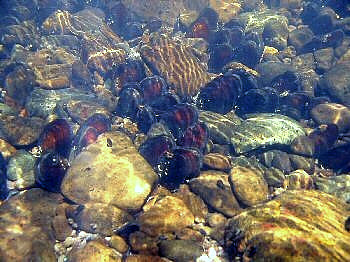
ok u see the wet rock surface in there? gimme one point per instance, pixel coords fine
(116, 174)
(274, 224)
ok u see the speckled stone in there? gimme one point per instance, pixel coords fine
(248, 185)
(117, 175)
(26, 228)
(335, 185)
(101, 218)
(296, 226)
(213, 187)
(21, 168)
(94, 251)
(169, 214)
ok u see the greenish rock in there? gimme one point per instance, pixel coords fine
(274, 177)
(220, 127)
(274, 26)
(298, 225)
(180, 250)
(335, 185)
(42, 103)
(21, 169)
(261, 130)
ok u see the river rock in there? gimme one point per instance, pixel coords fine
(141, 243)
(101, 218)
(260, 130)
(324, 59)
(270, 70)
(94, 251)
(180, 250)
(110, 171)
(169, 214)
(295, 226)
(217, 161)
(332, 113)
(26, 232)
(6, 149)
(220, 127)
(298, 179)
(336, 82)
(20, 169)
(20, 131)
(214, 188)
(248, 185)
(274, 177)
(335, 185)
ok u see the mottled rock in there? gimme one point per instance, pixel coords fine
(42, 103)
(169, 214)
(272, 26)
(214, 188)
(335, 185)
(261, 130)
(217, 161)
(298, 179)
(180, 250)
(101, 218)
(94, 251)
(176, 62)
(332, 113)
(25, 226)
(297, 225)
(21, 168)
(20, 131)
(113, 173)
(248, 185)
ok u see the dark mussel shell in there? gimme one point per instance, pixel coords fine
(287, 82)
(204, 25)
(86, 136)
(236, 35)
(337, 158)
(249, 81)
(132, 30)
(324, 138)
(131, 71)
(250, 50)
(165, 102)
(182, 164)
(220, 55)
(98, 121)
(220, 37)
(129, 101)
(220, 94)
(3, 181)
(179, 118)
(152, 87)
(50, 171)
(57, 136)
(263, 100)
(195, 137)
(145, 118)
(155, 147)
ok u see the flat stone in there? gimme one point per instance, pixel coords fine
(25, 226)
(101, 218)
(298, 225)
(94, 251)
(261, 130)
(214, 188)
(110, 171)
(248, 185)
(169, 214)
